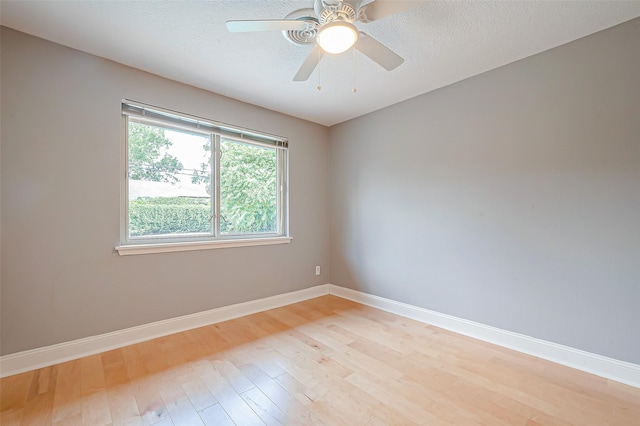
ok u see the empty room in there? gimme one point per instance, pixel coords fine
(323, 212)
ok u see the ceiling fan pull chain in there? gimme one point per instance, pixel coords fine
(355, 90)
(319, 57)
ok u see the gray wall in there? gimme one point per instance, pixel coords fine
(511, 198)
(61, 138)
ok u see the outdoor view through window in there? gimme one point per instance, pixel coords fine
(179, 188)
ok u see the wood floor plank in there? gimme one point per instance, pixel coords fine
(15, 390)
(264, 407)
(11, 416)
(38, 409)
(231, 402)
(122, 402)
(123, 406)
(198, 393)
(232, 375)
(67, 402)
(297, 412)
(179, 407)
(389, 393)
(95, 402)
(75, 420)
(324, 361)
(144, 387)
(216, 416)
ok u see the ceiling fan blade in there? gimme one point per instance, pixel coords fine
(378, 52)
(379, 9)
(266, 25)
(309, 64)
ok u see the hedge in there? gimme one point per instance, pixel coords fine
(179, 215)
(163, 215)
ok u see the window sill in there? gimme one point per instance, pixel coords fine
(133, 249)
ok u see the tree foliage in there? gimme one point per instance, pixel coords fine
(248, 187)
(146, 158)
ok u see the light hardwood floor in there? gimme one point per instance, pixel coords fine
(323, 361)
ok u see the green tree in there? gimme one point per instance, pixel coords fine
(204, 174)
(146, 158)
(248, 187)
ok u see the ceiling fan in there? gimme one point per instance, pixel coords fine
(330, 26)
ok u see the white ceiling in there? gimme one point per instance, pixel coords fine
(441, 41)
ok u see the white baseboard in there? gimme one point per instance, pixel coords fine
(49, 355)
(609, 368)
(620, 371)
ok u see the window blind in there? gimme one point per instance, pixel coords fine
(157, 115)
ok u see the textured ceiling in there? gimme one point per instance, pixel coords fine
(441, 41)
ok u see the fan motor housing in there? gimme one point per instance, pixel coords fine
(342, 11)
(323, 12)
(306, 36)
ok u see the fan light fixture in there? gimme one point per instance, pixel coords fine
(337, 36)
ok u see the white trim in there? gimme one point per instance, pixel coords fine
(130, 249)
(49, 355)
(620, 371)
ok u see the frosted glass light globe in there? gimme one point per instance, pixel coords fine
(337, 37)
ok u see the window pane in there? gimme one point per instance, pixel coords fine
(169, 182)
(248, 188)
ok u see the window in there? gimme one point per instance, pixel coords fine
(192, 183)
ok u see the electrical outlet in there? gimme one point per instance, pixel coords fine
(317, 270)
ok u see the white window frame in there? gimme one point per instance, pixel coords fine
(152, 115)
